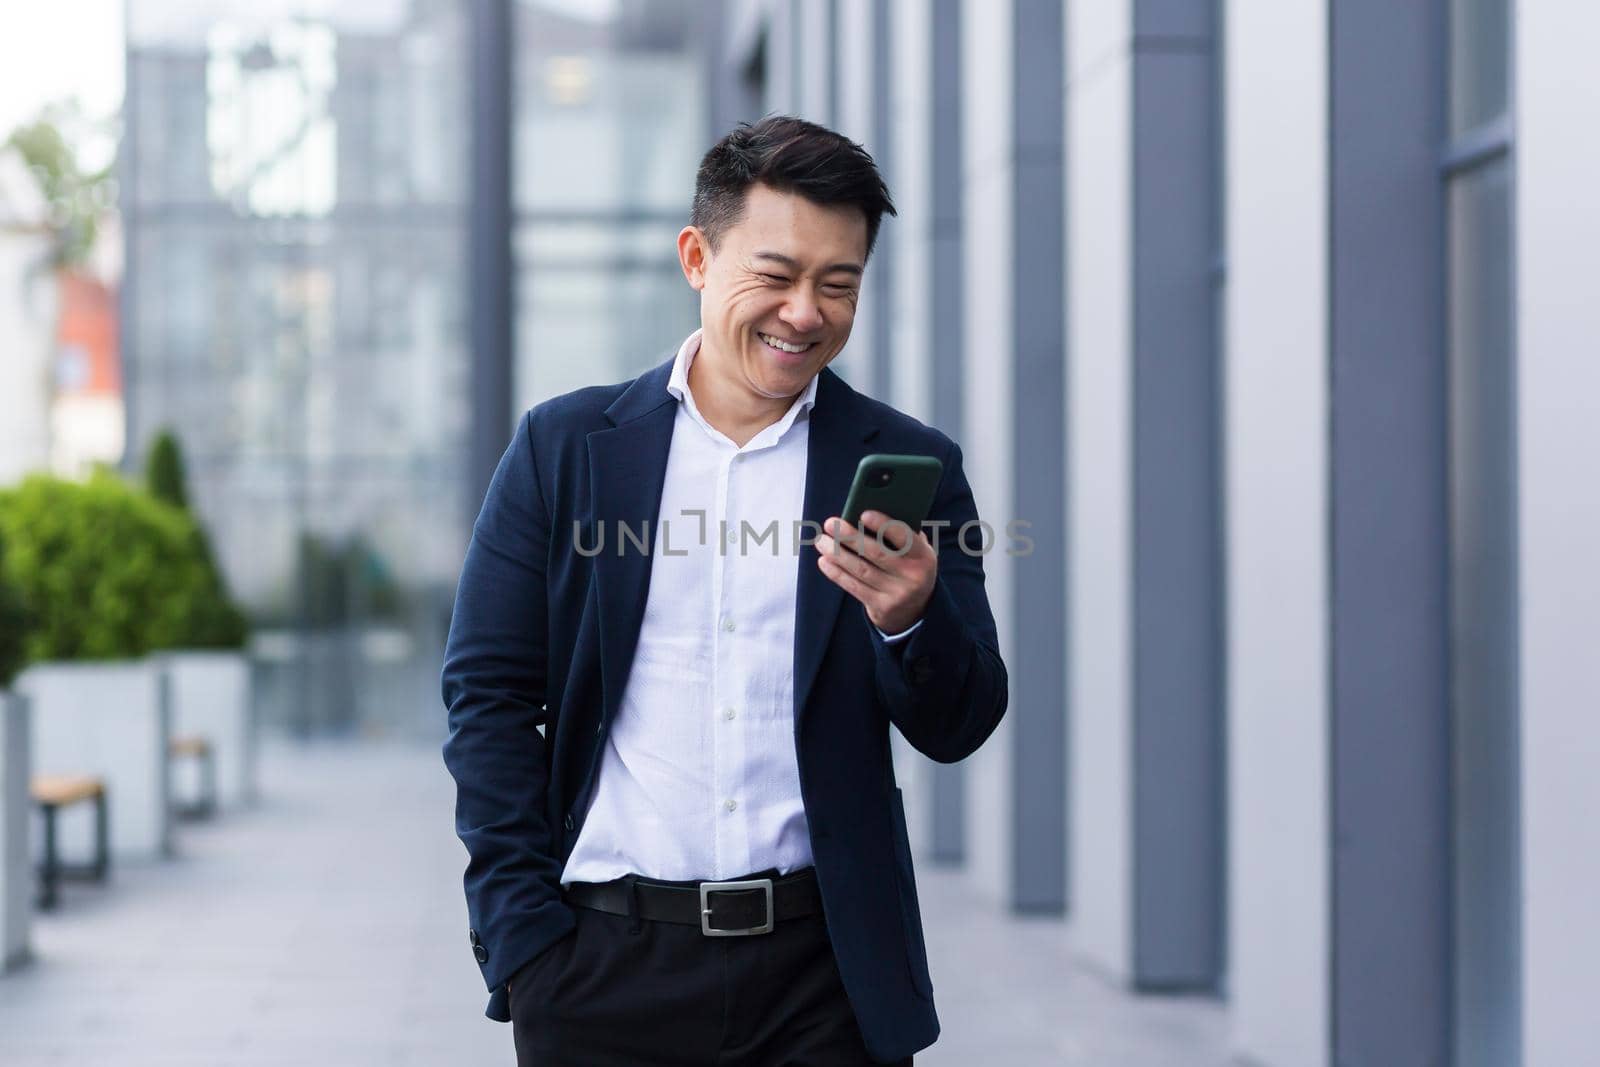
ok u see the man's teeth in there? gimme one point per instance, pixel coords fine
(782, 346)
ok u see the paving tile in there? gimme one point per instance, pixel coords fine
(326, 927)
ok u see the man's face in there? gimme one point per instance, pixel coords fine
(788, 273)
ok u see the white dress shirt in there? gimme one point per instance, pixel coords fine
(698, 778)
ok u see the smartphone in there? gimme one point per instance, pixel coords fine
(900, 487)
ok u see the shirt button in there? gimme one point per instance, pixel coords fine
(727, 624)
(733, 537)
(730, 804)
(728, 713)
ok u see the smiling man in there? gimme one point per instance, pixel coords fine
(669, 726)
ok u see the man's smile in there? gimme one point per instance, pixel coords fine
(790, 347)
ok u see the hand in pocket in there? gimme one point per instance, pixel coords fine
(530, 971)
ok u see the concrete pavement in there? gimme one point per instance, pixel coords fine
(327, 928)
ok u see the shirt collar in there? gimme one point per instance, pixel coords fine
(678, 386)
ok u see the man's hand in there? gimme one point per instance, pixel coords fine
(882, 565)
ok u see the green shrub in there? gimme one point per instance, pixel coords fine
(13, 626)
(108, 572)
(164, 473)
(216, 621)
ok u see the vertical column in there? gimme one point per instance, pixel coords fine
(923, 334)
(987, 386)
(928, 341)
(1012, 127)
(491, 221)
(1176, 743)
(883, 286)
(941, 385)
(813, 44)
(1038, 471)
(782, 96)
(858, 72)
(729, 32)
(1389, 537)
(1100, 185)
(911, 130)
(1275, 386)
(947, 156)
(1144, 533)
(1557, 322)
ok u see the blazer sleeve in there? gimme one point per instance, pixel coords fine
(493, 685)
(945, 685)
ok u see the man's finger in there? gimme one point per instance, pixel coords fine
(864, 540)
(843, 555)
(845, 579)
(894, 535)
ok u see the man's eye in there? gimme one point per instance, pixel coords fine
(776, 278)
(838, 290)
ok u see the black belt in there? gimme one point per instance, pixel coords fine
(720, 909)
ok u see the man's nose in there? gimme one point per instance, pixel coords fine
(802, 313)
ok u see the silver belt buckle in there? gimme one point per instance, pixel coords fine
(707, 888)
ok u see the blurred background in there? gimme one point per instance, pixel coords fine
(1278, 322)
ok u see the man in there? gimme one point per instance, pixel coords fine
(643, 584)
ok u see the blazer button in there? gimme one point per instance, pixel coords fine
(568, 822)
(480, 953)
(472, 937)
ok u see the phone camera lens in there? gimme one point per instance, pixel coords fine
(881, 478)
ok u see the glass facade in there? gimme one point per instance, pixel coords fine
(1483, 549)
(609, 125)
(296, 199)
(295, 208)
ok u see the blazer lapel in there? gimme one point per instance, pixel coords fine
(838, 440)
(627, 466)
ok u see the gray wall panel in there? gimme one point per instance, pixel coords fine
(1188, 20)
(1390, 755)
(882, 384)
(948, 285)
(1039, 327)
(1177, 645)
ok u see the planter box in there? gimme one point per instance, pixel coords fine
(113, 720)
(16, 858)
(211, 696)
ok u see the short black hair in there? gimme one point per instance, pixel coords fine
(790, 155)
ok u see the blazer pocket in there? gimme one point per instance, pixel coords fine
(910, 912)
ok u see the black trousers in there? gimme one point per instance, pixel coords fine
(627, 992)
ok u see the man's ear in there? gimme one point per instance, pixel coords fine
(694, 255)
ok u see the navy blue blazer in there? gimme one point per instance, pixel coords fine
(545, 635)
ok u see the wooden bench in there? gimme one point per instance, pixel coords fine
(51, 793)
(197, 748)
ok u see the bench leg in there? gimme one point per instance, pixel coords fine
(102, 837)
(50, 870)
